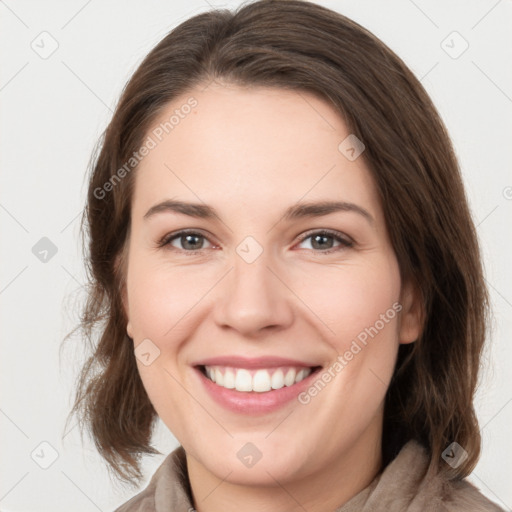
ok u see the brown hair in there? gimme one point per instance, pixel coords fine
(297, 45)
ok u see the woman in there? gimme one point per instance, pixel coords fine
(285, 271)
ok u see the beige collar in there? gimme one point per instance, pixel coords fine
(403, 485)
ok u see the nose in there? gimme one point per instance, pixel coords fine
(254, 298)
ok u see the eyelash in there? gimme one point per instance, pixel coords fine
(345, 242)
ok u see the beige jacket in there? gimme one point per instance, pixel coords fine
(402, 486)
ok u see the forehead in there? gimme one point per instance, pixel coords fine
(252, 147)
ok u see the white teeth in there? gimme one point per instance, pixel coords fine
(260, 381)
(229, 379)
(243, 381)
(278, 379)
(289, 378)
(300, 375)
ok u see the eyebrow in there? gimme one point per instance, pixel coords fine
(301, 210)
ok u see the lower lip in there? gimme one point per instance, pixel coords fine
(253, 402)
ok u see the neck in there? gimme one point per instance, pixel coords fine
(326, 489)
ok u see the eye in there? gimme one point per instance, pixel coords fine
(325, 239)
(192, 242)
(185, 241)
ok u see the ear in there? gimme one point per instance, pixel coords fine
(129, 330)
(124, 295)
(412, 314)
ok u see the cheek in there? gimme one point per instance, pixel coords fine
(353, 299)
(161, 301)
(361, 307)
(346, 298)
(161, 296)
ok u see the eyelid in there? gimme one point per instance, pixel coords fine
(168, 237)
(344, 239)
(329, 232)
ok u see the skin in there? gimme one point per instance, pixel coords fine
(251, 153)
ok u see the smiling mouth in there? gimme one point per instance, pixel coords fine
(260, 380)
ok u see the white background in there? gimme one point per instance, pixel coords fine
(53, 110)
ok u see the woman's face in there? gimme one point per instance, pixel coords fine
(295, 310)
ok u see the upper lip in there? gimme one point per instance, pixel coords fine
(252, 362)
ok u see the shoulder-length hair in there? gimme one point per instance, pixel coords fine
(300, 46)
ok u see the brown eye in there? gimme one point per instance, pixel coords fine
(324, 241)
(186, 241)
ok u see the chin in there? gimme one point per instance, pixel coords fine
(254, 460)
